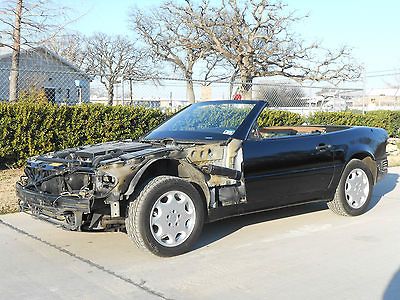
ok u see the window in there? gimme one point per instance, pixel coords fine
(50, 94)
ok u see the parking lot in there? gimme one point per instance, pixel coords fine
(304, 252)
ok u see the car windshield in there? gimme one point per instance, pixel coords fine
(203, 121)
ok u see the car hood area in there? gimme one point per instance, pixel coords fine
(99, 154)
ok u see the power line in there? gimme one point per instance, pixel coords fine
(383, 71)
(383, 75)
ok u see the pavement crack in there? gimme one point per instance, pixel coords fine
(140, 285)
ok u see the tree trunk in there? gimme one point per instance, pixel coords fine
(246, 87)
(231, 83)
(131, 91)
(110, 94)
(14, 71)
(190, 91)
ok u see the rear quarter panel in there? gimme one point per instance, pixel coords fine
(356, 142)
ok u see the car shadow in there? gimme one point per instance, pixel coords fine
(392, 291)
(218, 230)
(384, 186)
(215, 231)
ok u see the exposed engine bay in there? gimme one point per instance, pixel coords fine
(90, 187)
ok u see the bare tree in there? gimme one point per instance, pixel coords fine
(215, 68)
(255, 37)
(281, 95)
(111, 57)
(27, 23)
(71, 46)
(170, 39)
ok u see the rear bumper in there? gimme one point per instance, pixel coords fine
(54, 206)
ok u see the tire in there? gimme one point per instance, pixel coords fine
(354, 191)
(167, 217)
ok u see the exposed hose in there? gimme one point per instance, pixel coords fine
(222, 171)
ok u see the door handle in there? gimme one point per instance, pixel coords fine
(323, 147)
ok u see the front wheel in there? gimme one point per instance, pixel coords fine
(167, 217)
(354, 191)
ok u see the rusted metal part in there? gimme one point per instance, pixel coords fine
(204, 154)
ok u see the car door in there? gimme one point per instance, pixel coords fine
(285, 170)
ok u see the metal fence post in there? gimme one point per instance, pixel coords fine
(364, 94)
(123, 91)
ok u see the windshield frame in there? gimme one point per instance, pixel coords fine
(241, 132)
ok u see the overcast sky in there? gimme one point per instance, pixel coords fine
(371, 28)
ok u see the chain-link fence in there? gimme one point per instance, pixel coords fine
(60, 81)
(165, 92)
(41, 71)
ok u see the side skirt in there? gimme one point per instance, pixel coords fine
(222, 213)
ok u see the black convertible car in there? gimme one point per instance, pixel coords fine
(210, 161)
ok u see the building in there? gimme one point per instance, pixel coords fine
(42, 69)
(162, 104)
(375, 99)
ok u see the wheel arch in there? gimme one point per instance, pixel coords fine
(173, 167)
(368, 159)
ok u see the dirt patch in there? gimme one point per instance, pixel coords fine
(394, 161)
(393, 151)
(8, 200)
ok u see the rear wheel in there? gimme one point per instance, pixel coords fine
(354, 191)
(167, 217)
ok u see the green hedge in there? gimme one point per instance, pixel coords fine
(279, 118)
(28, 129)
(389, 120)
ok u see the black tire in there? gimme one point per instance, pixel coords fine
(138, 219)
(339, 203)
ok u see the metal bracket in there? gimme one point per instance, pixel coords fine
(115, 212)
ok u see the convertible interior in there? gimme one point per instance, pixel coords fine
(280, 131)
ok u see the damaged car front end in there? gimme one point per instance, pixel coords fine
(90, 187)
(79, 188)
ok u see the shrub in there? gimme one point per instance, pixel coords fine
(279, 118)
(389, 120)
(32, 95)
(28, 129)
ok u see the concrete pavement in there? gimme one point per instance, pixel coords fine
(305, 252)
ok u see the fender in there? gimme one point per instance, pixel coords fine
(138, 175)
(360, 153)
(187, 172)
